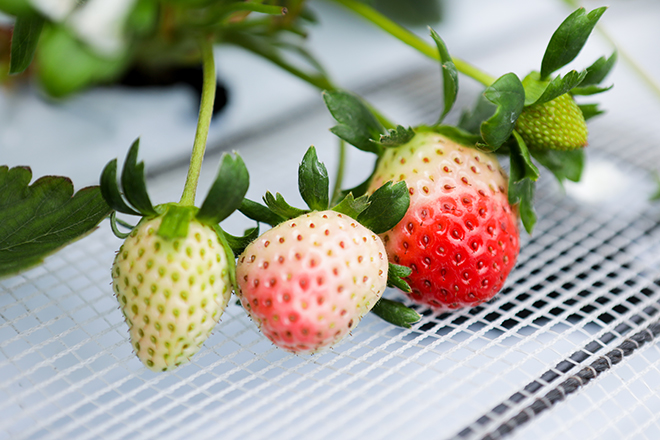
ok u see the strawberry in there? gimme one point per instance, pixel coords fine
(172, 292)
(557, 124)
(459, 235)
(308, 281)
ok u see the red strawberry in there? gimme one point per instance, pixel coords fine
(459, 236)
(308, 281)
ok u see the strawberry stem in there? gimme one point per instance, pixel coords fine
(413, 40)
(339, 176)
(203, 122)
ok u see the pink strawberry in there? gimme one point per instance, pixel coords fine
(308, 281)
(459, 235)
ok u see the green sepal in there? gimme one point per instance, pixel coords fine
(39, 219)
(597, 72)
(396, 136)
(508, 94)
(565, 165)
(539, 91)
(568, 40)
(590, 90)
(110, 189)
(279, 206)
(231, 258)
(313, 181)
(395, 313)
(227, 192)
(471, 120)
(238, 244)
(175, 221)
(590, 110)
(357, 124)
(260, 213)
(360, 189)
(655, 196)
(16, 7)
(456, 134)
(27, 30)
(387, 206)
(522, 185)
(395, 277)
(133, 182)
(115, 227)
(449, 76)
(351, 206)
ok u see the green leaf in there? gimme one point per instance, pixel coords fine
(133, 183)
(260, 213)
(568, 40)
(590, 110)
(16, 7)
(508, 94)
(110, 189)
(361, 189)
(357, 125)
(39, 219)
(458, 135)
(550, 90)
(313, 181)
(351, 206)
(387, 206)
(279, 206)
(471, 120)
(115, 228)
(227, 192)
(27, 31)
(563, 164)
(175, 221)
(397, 136)
(231, 258)
(238, 244)
(597, 72)
(590, 90)
(395, 313)
(522, 182)
(656, 194)
(449, 75)
(395, 276)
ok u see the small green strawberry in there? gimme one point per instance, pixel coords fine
(172, 292)
(174, 274)
(556, 125)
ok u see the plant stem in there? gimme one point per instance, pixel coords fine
(339, 176)
(203, 123)
(413, 40)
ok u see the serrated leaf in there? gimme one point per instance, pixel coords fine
(508, 94)
(599, 70)
(238, 244)
(351, 206)
(395, 276)
(395, 313)
(397, 136)
(522, 182)
(39, 219)
(27, 30)
(110, 189)
(550, 90)
(133, 182)
(226, 194)
(590, 90)
(175, 221)
(590, 110)
(387, 206)
(260, 213)
(357, 125)
(279, 206)
(449, 76)
(568, 40)
(313, 181)
(565, 165)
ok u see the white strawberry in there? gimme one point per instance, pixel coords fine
(172, 292)
(308, 281)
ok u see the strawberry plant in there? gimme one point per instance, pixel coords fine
(438, 217)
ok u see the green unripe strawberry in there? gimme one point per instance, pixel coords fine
(557, 125)
(172, 291)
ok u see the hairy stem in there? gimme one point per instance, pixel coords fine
(413, 40)
(203, 123)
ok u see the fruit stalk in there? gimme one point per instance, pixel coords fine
(203, 123)
(413, 40)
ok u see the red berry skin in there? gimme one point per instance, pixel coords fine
(309, 281)
(460, 236)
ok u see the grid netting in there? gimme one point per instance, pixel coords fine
(568, 349)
